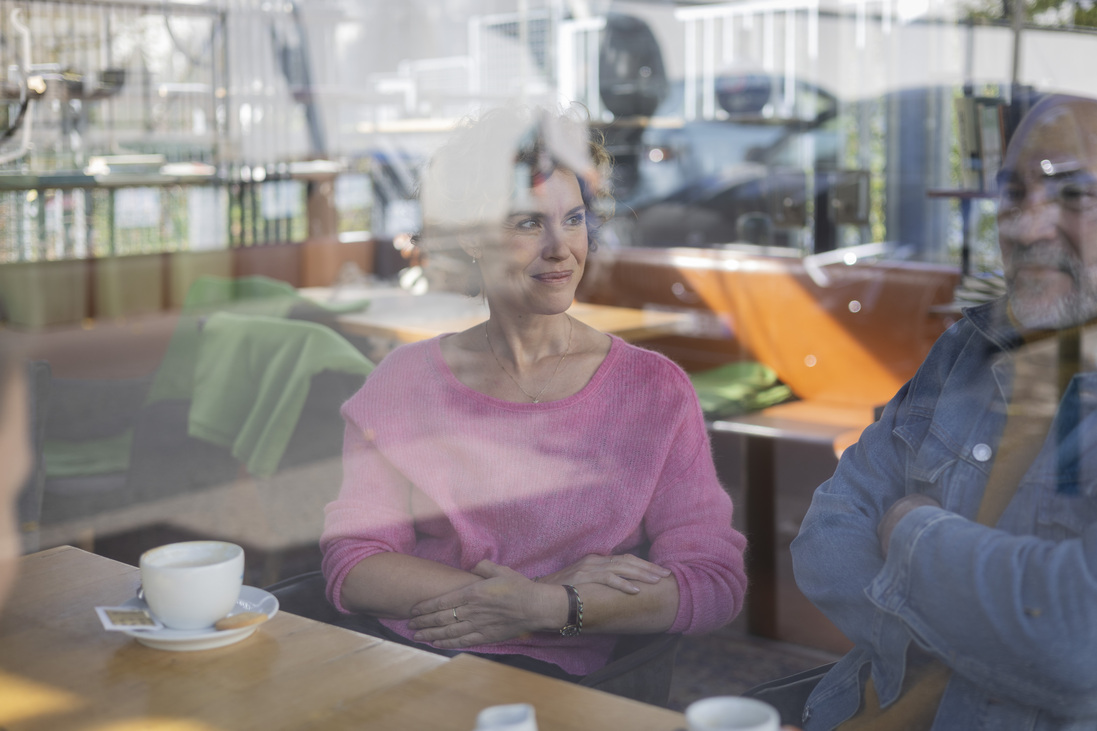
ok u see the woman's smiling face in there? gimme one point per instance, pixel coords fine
(538, 259)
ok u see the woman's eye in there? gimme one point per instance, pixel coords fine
(576, 220)
(527, 224)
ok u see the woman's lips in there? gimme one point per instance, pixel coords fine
(553, 277)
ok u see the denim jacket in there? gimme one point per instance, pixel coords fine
(1012, 609)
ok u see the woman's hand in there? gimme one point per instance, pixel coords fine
(617, 572)
(503, 606)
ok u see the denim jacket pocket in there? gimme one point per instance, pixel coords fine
(1064, 514)
(1066, 491)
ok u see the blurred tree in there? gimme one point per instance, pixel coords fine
(1057, 13)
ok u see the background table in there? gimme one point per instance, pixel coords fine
(398, 315)
(804, 438)
(59, 669)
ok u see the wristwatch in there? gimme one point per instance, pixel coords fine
(575, 613)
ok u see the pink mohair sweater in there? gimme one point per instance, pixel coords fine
(437, 470)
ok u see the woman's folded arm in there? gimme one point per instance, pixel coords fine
(388, 585)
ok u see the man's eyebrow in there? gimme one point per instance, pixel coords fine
(1079, 173)
(1049, 172)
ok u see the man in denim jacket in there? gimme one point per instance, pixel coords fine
(956, 543)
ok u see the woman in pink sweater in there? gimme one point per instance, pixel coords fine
(528, 487)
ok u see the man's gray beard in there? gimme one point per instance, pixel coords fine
(1078, 307)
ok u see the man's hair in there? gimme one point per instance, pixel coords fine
(1039, 111)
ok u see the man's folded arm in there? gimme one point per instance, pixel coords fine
(1013, 614)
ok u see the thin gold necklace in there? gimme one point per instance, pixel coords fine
(537, 398)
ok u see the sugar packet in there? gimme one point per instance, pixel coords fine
(127, 619)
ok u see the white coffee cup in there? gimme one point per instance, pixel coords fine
(511, 717)
(191, 585)
(732, 713)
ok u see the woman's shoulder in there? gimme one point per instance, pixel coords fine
(647, 361)
(404, 361)
(411, 354)
(404, 369)
(638, 367)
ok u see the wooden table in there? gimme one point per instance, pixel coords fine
(59, 669)
(395, 314)
(450, 696)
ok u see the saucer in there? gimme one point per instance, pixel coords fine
(186, 640)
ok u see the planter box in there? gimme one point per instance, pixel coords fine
(185, 267)
(129, 285)
(43, 293)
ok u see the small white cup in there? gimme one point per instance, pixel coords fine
(191, 585)
(512, 717)
(732, 713)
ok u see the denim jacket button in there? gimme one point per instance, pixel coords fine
(981, 452)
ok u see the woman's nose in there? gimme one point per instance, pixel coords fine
(554, 244)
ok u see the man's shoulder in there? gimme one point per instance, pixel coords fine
(986, 326)
(960, 358)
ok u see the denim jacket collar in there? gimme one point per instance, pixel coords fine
(992, 320)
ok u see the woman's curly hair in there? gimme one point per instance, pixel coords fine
(473, 181)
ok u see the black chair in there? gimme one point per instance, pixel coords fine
(85, 410)
(640, 668)
(789, 695)
(304, 595)
(164, 460)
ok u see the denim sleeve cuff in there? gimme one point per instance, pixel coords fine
(890, 588)
(889, 592)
